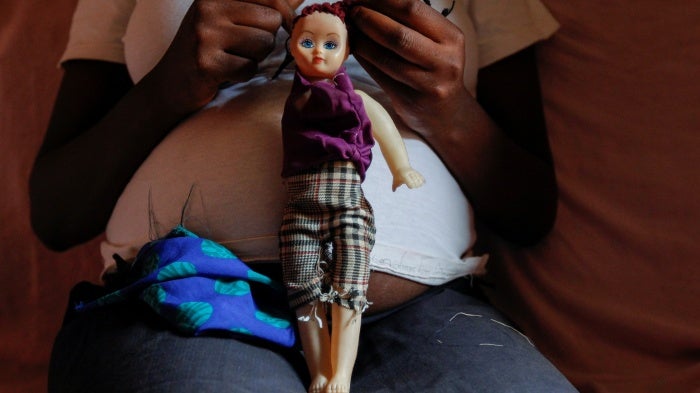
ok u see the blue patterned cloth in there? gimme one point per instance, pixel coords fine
(200, 287)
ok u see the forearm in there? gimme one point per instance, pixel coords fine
(103, 128)
(85, 163)
(503, 164)
(512, 190)
(386, 134)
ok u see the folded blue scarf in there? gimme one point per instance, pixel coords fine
(200, 287)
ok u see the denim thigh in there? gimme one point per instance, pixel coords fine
(445, 342)
(125, 348)
(451, 342)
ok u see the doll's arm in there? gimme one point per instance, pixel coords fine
(391, 144)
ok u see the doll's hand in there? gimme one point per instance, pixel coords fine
(416, 55)
(220, 41)
(408, 176)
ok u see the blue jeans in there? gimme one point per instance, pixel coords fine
(445, 341)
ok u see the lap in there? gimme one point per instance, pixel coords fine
(123, 348)
(447, 341)
(451, 342)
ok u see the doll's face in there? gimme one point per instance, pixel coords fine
(319, 44)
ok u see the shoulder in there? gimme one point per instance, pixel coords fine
(97, 30)
(371, 105)
(504, 27)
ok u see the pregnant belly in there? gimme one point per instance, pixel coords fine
(230, 157)
(219, 174)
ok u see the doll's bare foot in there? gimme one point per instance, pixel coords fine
(338, 384)
(318, 385)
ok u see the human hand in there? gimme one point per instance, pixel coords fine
(408, 176)
(416, 55)
(220, 41)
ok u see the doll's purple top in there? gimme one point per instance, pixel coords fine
(332, 125)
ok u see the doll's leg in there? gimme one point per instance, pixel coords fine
(316, 343)
(350, 274)
(344, 342)
(301, 247)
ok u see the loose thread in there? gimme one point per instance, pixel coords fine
(466, 315)
(314, 312)
(513, 329)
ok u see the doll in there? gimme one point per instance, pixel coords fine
(327, 231)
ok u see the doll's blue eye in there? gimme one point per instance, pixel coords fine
(307, 43)
(330, 45)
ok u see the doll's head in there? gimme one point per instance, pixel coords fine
(319, 40)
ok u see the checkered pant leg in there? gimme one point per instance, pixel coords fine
(327, 210)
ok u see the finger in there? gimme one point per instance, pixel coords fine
(384, 64)
(396, 87)
(418, 180)
(285, 9)
(260, 14)
(249, 42)
(234, 68)
(232, 53)
(414, 14)
(293, 4)
(414, 180)
(393, 36)
(245, 29)
(239, 28)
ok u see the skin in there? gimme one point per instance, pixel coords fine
(319, 45)
(418, 59)
(103, 127)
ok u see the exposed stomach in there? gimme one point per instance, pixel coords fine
(219, 174)
(230, 156)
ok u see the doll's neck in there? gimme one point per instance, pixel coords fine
(315, 80)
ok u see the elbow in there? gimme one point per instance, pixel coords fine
(50, 238)
(40, 216)
(530, 234)
(527, 234)
(55, 236)
(531, 220)
(56, 229)
(46, 225)
(522, 218)
(49, 217)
